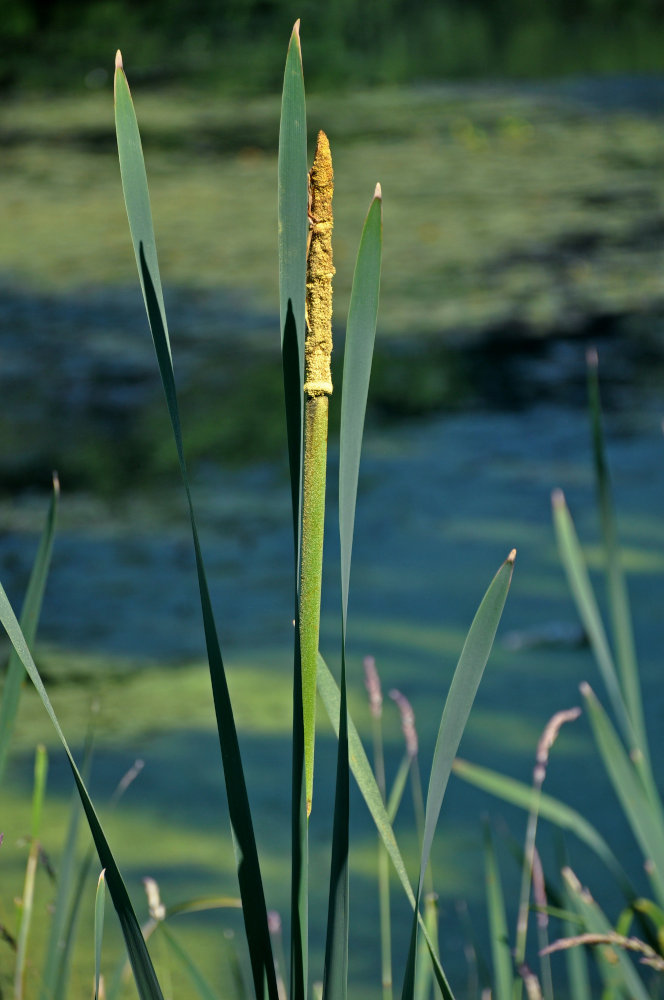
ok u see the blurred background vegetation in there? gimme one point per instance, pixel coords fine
(58, 43)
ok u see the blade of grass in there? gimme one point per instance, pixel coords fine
(458, 703)
(134, 183)
(374, 691)
(197, 979)
(293, 229)
(576, 962)
(523, 796)
(618, 974)
(544, 745)
(501, 953)
(621, 616)
(423, 968)
(360, 336)
(644, 820)
(146, 980)
(15, 675)
(58, 952)
(100, 902)
(366, 782)
(27, 899)
(579, 582)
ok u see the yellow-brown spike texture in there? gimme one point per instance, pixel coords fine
(318, 340)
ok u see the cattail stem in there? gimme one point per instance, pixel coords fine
(317, 389)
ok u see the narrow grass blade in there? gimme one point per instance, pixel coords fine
(58, 952)
(523, 796)
(335, 977)
(366, 782)
(198, 981)
(643, 818)
(579, 582)
(423, 969)
(27, 899)
(398, 787)
(576, 962)
(293, 230)
(461, 695)
(360, 335)
(618, 972)
(501, 953)
(293, 226)
(100, 903)
(146, 980)
(137, 200)
(458, 703)
(15, 675)
(618, 597)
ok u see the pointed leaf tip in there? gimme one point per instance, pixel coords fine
(56, 482)
(378, 193)
(118, 60)
(512, 556)
(558, 498)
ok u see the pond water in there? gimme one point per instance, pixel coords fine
(462, 451)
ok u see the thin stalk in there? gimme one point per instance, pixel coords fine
(41, 767)
(317, 389)
(546, 741)
(372, 682)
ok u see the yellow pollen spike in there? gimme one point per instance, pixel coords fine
(318, 340)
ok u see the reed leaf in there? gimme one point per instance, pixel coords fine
(458, 703)
(293, 229)
(27, 898)
(579, 582)
(100, 902)
(621, 617)
(15, 675)
(524, 796)
(54, 985)
(200, 984)
(619, 975)
(366, 782)
(134, 183)
(143, 970)
(501, 953)
(643, 818)
(360, 335)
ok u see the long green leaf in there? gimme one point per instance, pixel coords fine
(100, 902)
(618, 597)
(643, 818)
(293, 229)
(200, 984)
(366, 782)
(27, 898)
(523, 796)
(360, 336)
(498, 932)
(54, 985)
(146, 980)
(458, 703)
(579, 581)
(11, 691)
(134, 183)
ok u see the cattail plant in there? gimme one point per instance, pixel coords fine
(305, 273)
